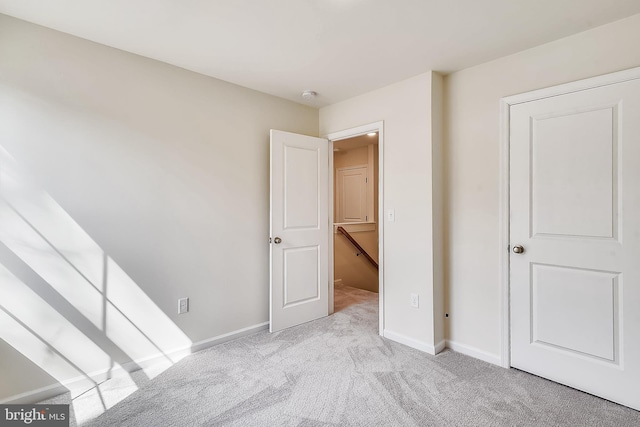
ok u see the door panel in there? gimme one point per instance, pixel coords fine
(301, 281)
(573, 173)
(591, 297)
(301, 184)
(575, 208)
(299, 229)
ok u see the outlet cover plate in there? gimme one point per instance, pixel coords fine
(415, 300)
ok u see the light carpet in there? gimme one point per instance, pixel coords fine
(338, 371)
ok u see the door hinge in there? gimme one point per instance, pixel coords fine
(366, 217)
(366, 180)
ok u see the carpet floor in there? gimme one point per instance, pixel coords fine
(337, 371)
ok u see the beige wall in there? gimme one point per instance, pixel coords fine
(472, 164)
(19, 375)
(352, 270)
(165, 169)
(407, 180)
(350, 157)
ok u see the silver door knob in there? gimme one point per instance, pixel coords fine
(277, 240)
(518, 249)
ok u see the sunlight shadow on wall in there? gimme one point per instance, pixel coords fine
(55, 347)
(65, 304)
(30, 325)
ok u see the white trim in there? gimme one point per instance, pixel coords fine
(441, 346)
(505, 105)
(337, 282)
(271, 224)
(381, 321)
(413, 343)
(350, 133)
(476, 353)
(504, 238)
(331, 275)
(146, 362)
(37, 395)
(356, 131)
(234, 335)
(577, 86)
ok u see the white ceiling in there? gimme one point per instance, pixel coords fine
(339, 48)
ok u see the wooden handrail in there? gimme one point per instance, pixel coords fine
(358, 247)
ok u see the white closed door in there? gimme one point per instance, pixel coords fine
(299, 229)
(575, 213)
(351, 194)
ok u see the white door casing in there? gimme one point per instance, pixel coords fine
(299, 229)
(350, 133)
(575, 208)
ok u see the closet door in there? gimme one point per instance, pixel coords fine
(575, 239)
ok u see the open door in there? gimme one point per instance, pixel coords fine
(299, 230)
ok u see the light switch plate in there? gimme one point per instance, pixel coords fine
(391, 215)
(183, 305)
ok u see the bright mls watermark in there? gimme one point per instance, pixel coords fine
(34, 415)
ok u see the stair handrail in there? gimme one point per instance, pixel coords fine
(357, 245)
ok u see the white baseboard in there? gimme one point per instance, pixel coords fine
(53, 390)
(414, 343)
(179, 353)
(210, 342)
(36, 395)
(474, 352)
(337, 282)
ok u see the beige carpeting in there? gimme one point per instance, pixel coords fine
(338, 371)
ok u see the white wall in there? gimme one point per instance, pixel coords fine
(166, 170)
(405, 108)
(472, 164)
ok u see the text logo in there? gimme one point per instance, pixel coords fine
(34, 415)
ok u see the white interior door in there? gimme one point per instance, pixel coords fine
(575, 210)
(299, 229)
(351, 194)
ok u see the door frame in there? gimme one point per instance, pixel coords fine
(504, 219)
(345, 134)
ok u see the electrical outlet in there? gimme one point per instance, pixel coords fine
(415, 300)
(183, 305)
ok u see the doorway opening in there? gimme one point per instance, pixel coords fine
(356, 227)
